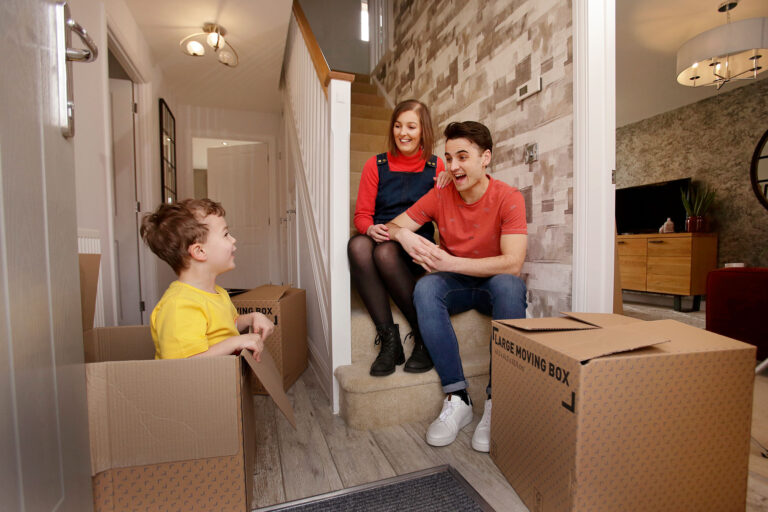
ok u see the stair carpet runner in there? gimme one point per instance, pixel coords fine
(368, 402)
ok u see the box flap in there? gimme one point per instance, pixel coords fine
(265, 292)
(602, 319)
(546, 324)
(126, 343)
(589, 344)
(148, 412)
(270, 378)
(89, 282)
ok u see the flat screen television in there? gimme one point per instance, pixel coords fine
(645, 208)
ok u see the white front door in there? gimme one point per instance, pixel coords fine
(238, 177)
(43, 413)
(126, 224)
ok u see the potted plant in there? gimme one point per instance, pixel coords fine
(696, 201)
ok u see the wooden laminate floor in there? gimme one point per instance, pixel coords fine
(323, 455)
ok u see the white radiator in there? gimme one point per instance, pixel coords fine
(89, 242)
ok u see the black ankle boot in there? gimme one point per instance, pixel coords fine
(419, 362)
(391, 352)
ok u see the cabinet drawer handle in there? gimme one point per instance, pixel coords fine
(655, 241)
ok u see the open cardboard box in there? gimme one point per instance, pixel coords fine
(286, 307)
(170, 434)
(604, 412)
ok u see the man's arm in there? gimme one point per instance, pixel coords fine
(510, 261)
(402, 230)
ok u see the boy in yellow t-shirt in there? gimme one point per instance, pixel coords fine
(195, 317)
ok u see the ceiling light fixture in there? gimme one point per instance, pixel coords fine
(212, 35)
(729, 52)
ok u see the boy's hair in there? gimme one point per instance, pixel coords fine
(172, 228)
(473, 131)
(427, 133)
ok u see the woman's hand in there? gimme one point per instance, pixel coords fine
(379, 232)
(443, 179)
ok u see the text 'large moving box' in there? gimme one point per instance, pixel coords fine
(286, 308)
(600, 412)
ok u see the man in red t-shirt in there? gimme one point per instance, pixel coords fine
(483, 238)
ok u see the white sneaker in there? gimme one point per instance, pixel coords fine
(481, 439)
(454, 416)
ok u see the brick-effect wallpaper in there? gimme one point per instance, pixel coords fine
(712, 141)
(466, 60)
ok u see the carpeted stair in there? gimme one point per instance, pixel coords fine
(372, 402)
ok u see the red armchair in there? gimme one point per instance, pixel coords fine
(737, 306)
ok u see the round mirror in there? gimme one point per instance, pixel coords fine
(758, 173)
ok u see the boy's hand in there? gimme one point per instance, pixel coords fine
(253, 342)
(261, 325)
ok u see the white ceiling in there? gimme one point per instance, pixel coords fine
(257, 30)
(648, 35)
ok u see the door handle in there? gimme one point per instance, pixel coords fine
(65, 26)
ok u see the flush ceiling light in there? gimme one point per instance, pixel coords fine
(733, 51)
(212, 35)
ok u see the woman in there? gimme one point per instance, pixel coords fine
(390, 183)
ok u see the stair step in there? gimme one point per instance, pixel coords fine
(357, 161)
(374, 402)
(372, 126)
(366, 142)
(371, 112)
(364, 87)
(361, 98)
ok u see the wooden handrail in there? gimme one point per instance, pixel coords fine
(324, 73)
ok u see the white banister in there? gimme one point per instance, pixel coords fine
(317, 105)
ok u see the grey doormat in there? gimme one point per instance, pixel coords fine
(438, 489)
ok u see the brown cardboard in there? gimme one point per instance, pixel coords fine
(286, 308)
(171, 434)
(89, 281)
(583, 421)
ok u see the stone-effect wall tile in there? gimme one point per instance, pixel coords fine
(467, 59)
(712, 141)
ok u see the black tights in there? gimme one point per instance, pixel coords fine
(381, 270)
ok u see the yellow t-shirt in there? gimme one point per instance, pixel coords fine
(188, 321)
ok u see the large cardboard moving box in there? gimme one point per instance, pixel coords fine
(172, 434)
(286, 308)
(602, 412)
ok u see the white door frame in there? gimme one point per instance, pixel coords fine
(594, 154)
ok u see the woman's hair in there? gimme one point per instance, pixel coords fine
(172, 228)
(473, 131)
(427, 133)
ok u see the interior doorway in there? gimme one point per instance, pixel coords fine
(130, 307)
(236, 174)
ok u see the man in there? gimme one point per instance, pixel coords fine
(483, 238)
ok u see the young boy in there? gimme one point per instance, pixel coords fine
(195, 317)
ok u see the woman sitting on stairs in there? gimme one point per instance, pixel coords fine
(390, 183)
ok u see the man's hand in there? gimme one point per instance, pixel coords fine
(417, 247)
(379, 232)
(437, 260)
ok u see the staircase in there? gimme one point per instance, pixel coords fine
(372, 402)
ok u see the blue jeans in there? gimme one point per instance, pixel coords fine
(442, 294)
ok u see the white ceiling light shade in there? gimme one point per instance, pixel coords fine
(212, 35)
(734, 51)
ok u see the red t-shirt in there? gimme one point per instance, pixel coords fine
(473, 230)
(369, 184)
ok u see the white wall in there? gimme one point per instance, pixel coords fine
(192, 122)
(111, 24)
(336, 26)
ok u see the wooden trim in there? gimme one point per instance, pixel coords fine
(324, 73)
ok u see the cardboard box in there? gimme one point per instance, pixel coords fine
(287, 309)
(171, 434)
(602, 412)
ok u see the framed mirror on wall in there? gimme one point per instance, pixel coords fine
(167, 153)
(758, 173)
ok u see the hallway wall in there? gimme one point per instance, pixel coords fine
(466, 60)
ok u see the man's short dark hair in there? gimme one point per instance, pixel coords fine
(472, 131)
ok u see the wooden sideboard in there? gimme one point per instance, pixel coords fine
(671, 263)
